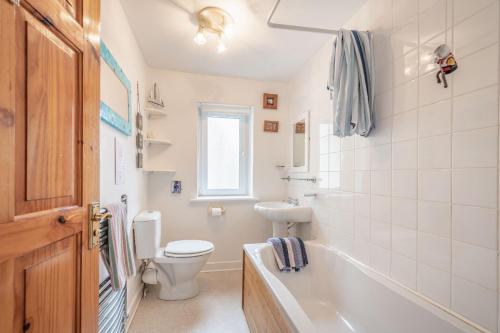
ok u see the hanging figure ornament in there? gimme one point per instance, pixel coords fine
(446, 61)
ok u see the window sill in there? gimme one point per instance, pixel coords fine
(224, 198)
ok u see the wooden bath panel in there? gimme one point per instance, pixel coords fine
(259, 305)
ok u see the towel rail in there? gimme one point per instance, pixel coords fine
(311, 179)
(112, 304)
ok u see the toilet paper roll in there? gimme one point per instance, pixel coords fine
(216, 211)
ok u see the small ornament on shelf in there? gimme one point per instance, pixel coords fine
(154, 97)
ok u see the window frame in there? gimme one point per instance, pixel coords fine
(245, 116)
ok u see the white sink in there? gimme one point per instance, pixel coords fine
(281, 214)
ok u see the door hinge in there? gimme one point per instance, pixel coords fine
(16, 2)
(95, 218)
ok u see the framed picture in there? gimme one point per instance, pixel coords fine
(270, 101)
(271, 126)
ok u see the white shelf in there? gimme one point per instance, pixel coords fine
(155, 112)
(159, 142)
(158, 171)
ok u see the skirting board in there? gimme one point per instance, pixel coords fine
(133, 306)
(216, 266)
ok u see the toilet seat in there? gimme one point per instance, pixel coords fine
(187, 248)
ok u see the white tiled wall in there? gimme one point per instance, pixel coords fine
(417, 200)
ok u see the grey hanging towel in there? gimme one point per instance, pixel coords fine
(351, 83)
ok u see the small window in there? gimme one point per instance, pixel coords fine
(224, 150)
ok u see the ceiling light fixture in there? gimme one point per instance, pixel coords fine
(216, 21)
(200, 38)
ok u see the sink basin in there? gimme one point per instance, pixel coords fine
(280, 211)
(281, 214)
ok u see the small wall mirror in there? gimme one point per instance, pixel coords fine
(300, 143)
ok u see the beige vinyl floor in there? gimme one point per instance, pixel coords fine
(217, 309)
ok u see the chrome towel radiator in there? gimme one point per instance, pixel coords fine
(112, 304)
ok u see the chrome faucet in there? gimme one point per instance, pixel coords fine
(292, 201)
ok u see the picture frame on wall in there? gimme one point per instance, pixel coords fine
(271, 126)
(270, 101)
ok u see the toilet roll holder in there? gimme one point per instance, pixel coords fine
(222, 209)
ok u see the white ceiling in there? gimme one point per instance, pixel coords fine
(165, 29)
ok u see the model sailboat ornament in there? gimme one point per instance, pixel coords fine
(154, 97)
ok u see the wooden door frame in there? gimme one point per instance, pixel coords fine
(90, 173)
(87, 313)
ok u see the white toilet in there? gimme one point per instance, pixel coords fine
(175, 266)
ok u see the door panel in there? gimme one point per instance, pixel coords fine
(52, 104)
(48, 104)
(50, 288)
(49, 162)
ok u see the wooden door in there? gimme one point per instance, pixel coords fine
(49, 162)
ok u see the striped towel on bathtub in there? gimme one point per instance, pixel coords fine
(290, 253)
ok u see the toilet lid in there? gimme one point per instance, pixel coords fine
(184, 247)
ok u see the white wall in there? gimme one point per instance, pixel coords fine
(417, 200)
(183, 219)
(116, 33)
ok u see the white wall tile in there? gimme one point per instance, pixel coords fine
(476, 110)
(381, 208)
(477, 70)
(323, 145)
(404, 126)
(406, 68)
(362, 181)
(347, 181)
(323, 163)
(383, 105)
(434, 251)
(434, 283)
(406, 97)
(404, 183)
(404, 212)
(477, 148)
(463, 9)
(404, 11)
(381, 157)
(380, 259)
(434, 152)
(362, 227)
(404, 241)
(405, 39)
(474, 302)
(435, 119)
(426, 55)
(334, 162)
(333, 144)
(362, 159)
(404, 270)
(432, 21)
(347, 160)
(474, 263)
(381, 182)
(382, 134)
(434, 218)
(362, 205)
(475, 225)
(476, 187)
(434, 185)
(476, 32)
(381, 234)
(404, 155)
(430, 92)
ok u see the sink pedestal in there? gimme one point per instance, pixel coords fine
(280, 229)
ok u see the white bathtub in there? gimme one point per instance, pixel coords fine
(336, 293)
